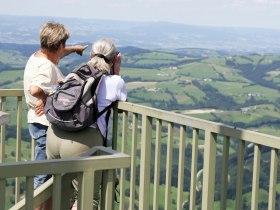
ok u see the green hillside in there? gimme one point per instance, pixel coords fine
(208, 84)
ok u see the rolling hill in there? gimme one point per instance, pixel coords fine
(148, 35)
(239, 90)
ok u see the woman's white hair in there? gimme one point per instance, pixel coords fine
(102, 55)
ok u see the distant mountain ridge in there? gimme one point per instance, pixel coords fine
(148, 35)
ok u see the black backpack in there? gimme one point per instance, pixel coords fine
(73, 105)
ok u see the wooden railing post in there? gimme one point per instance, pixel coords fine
(56, 193)
(209, 171)
(66, 182)
(181, 167)
(18, 145)
(240, 172)
(107, 190)
(4, 120)
(168, 166)
(192, 199)
(256, 177)
(133, 161)
(273, 179)
(157, 164)
(144, 189)
(123, 149)
(224, 180)
(2, 191)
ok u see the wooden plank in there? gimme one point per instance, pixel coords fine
(182, 147)
(195, 139)
(133, 161)
(209, 167)
(224, 180)
(157, 164)
(169, 166)
(146, 139)
(239, 174)
(273, 179)
(256, 177)
(123, 149)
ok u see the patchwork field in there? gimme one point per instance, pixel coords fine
(188, 79)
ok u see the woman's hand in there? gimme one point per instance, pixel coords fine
(117, 64)
(39, 107)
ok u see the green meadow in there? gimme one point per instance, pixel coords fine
(187, 79)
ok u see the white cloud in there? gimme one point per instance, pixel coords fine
(196, 12)
(268, 2)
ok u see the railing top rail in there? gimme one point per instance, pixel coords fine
(108, 160)
(11, 92)
(219, 128)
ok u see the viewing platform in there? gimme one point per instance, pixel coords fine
(163, 160)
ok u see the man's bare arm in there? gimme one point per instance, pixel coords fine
(79, 49)
(41, 96)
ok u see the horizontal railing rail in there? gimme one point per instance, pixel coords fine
(106, 160)
(220, 128)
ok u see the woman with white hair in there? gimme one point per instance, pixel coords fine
(62, 144)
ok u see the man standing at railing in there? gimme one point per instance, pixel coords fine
(40, 75)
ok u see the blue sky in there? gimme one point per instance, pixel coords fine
(239, 13)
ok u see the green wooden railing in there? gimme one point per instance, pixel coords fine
(63, 172)
(181, 162)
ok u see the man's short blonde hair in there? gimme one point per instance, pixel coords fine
(53, 34)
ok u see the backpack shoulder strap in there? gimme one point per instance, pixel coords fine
(86, 71)
(106, 108)
(107, 117)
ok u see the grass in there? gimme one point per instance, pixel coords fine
(11, 75)
(198, 71)
(252, 115)
(145, 74)
(268, 129)
(217, 60)
(135, 85)
(13, 58)
(161, 194)
(242, 91)
(10, 150)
